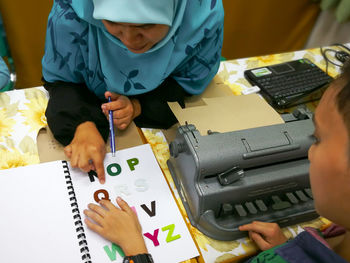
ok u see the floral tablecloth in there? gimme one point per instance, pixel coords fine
(232, 74)
(22, 115)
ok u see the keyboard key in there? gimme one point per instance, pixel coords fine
(240, 210)
(226, 209)
(251, 207)
(301, 196)
(261, 205)
(309, 192)
(292, 198)
(279, 204)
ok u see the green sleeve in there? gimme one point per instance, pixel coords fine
(269, 256)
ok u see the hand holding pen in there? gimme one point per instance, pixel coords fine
(124, 109)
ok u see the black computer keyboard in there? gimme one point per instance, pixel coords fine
(290, 83)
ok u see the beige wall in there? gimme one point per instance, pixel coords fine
(25, 26)
(260, 27)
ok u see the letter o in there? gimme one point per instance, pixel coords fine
(110, 169)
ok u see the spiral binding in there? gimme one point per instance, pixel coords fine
(84, 250)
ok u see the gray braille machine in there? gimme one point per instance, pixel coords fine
(229, 179)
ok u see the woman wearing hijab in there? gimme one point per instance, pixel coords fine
(141, 53)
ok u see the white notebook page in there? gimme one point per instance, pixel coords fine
(36, 223)
(138, 179)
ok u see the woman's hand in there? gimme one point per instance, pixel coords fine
(265, 235)
(87, 149)
(124, 109)
(119, 225)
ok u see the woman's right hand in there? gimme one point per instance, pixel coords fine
(87, 150)
(124, 109)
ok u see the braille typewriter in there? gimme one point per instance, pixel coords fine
(229, 179)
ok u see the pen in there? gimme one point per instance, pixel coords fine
(111, 129)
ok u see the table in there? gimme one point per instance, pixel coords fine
(22, 120)
(22, 116)
(231, 74)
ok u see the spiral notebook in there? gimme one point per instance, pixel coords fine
(42, 219)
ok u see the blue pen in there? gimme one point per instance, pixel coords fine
(111, 129)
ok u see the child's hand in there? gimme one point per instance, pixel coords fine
(124, 109)
(87, 150)
(120, 226)
(265, 235)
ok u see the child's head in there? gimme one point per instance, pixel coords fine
(138, 24)
(330, 155)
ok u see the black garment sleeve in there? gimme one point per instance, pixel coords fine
(71, 104)
(155, 112)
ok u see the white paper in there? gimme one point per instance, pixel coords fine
(36, 223)
(137, 184)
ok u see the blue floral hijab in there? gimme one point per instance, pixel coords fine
(80, 50)
(4, 74)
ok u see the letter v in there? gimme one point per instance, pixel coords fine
(152, 212)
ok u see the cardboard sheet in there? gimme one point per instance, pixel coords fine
(51, 150)
(227, 113)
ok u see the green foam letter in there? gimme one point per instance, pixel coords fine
(170, 236)
(132, 162)
(116, 166)
(111, 253)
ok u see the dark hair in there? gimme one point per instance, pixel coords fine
(343, 97)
